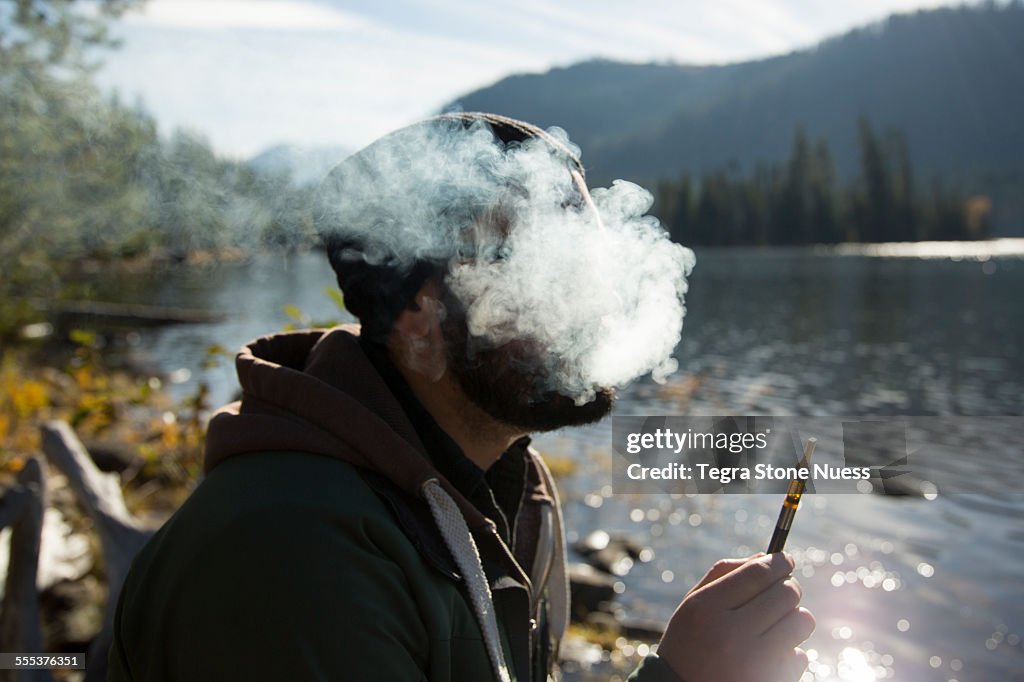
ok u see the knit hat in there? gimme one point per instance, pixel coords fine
(360, 202)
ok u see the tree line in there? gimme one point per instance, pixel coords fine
(802, 201)
(86, 175)
(81, 173)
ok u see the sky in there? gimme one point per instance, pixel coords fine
(249, 74)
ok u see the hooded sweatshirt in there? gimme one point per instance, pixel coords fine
(323, 544)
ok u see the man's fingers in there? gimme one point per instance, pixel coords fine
(796, 627)
(772, 605)
(794, 666)
(723, 567)
(739, 586)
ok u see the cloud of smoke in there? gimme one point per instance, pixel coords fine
(594, 284)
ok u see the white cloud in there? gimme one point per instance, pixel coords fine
(247, 88)
(255, 73)
(245, 14)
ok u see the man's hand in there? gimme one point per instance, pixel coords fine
(740, 623)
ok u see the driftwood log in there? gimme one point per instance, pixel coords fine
(22, 508)
(121, 534)
(69, 314)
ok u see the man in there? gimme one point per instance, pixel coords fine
(372, 509)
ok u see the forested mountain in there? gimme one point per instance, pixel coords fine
(950, 80)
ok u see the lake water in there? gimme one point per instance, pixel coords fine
(903, 588)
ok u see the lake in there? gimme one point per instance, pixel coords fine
(907, 589)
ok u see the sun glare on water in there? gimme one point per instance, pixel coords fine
(852, 666)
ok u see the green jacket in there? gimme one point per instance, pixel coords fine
(332, 549)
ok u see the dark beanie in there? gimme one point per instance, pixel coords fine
(378, 289)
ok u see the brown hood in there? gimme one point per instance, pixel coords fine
(316, 391)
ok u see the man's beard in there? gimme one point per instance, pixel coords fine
(511, 382)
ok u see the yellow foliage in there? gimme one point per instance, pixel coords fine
(169, 438)
(26, 440)
(88, 379)
(94, 411)
(30, 396)
(561, 467)
(102, 404)
(82, 377)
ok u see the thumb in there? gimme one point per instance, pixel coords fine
(723, 567)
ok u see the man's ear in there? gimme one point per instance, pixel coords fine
(422, 317)
(416, 342)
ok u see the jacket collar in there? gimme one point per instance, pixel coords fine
(316, 391)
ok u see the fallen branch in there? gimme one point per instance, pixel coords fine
(67, 314)
(121, 534)
(12, 503)
(20, 630)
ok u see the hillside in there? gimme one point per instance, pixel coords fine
(304, 165)
(950, 79)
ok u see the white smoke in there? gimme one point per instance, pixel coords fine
(597, 285)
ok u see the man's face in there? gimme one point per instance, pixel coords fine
(510, 382)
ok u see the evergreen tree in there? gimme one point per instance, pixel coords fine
(799, 202)
(823, 201)
(903, 222)
(873, 204)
